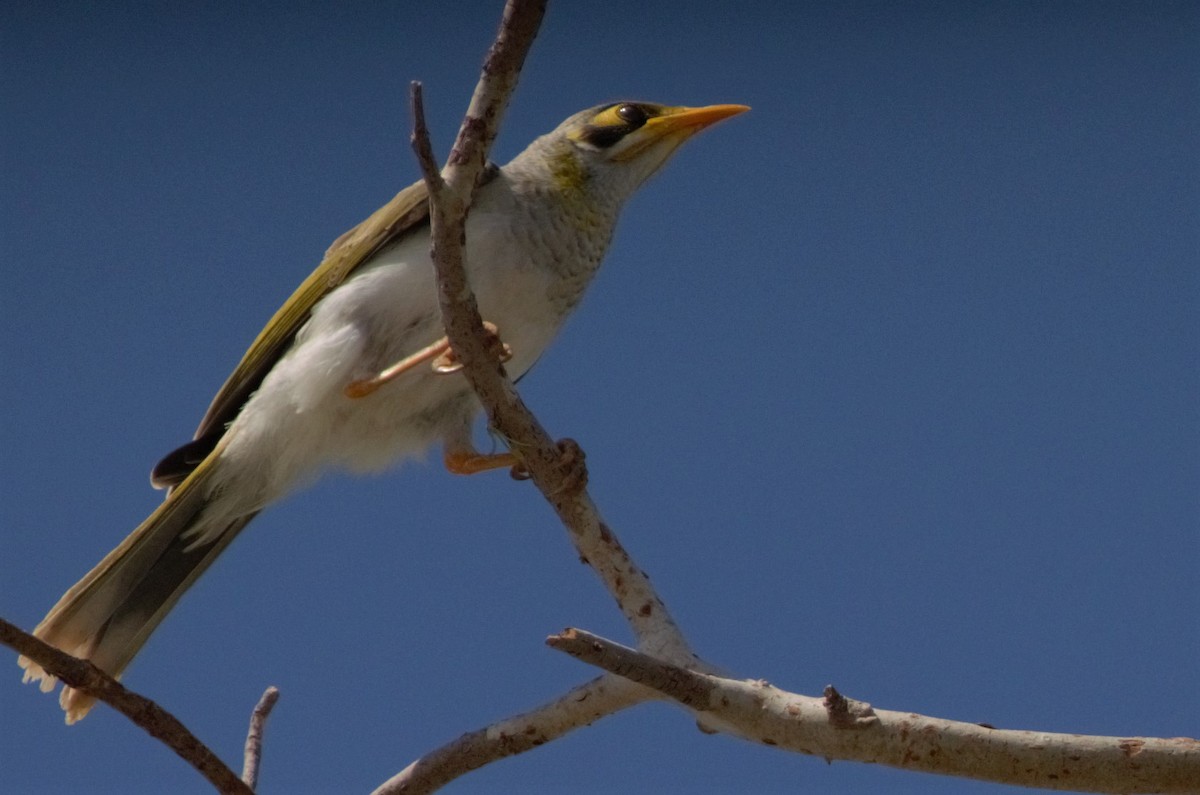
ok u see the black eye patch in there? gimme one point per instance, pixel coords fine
(628, 117)
(604, 137)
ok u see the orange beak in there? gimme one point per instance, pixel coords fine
(693, 120)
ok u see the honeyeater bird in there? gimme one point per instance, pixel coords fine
(332, 381)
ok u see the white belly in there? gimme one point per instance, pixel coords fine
(300, 420)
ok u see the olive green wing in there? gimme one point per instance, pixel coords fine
(408, 210)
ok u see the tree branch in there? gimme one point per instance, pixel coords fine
(839, 728)
(252, 756)
(575, 709)
(156, 721)
(555, 469)
(834, 727)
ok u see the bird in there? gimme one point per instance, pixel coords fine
(335, 380)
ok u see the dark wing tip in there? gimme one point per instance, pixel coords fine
(176, 465)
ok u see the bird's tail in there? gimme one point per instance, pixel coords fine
(108, 615)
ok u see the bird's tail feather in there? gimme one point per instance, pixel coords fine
(109, 614)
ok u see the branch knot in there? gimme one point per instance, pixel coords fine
(848, 713)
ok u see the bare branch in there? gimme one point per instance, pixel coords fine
(156, 721)
(680, 684)
(555, 468)
(422, 146)
(518, 26)
(835, 727)
(252, 756)
(579, 707)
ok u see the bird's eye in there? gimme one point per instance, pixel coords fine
(633, 115)
(611, 123)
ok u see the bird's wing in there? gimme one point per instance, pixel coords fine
(408, 210)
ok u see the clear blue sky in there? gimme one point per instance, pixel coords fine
(891, 383)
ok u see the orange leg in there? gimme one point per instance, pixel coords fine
(360, 389)
(469, 462)
(444, 362)
(463, 459)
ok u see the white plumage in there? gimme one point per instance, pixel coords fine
(536, 234)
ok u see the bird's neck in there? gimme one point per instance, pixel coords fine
(556, 188)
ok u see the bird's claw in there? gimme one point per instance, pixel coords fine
(571, 464)
(448, 362)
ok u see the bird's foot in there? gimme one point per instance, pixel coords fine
(360, 389)
(447, 362)
(572, 464)
(444, 361)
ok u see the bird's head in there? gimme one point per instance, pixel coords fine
(608, 151)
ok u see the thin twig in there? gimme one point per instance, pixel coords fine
(421, 143)
(252, 757)
(156, 721)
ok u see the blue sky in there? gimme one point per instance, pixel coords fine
(890, 383)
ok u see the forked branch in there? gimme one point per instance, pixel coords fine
(663, 664)
(153, 719)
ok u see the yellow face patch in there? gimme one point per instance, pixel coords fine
(645, 123)
(627, 114)
(614, 122)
